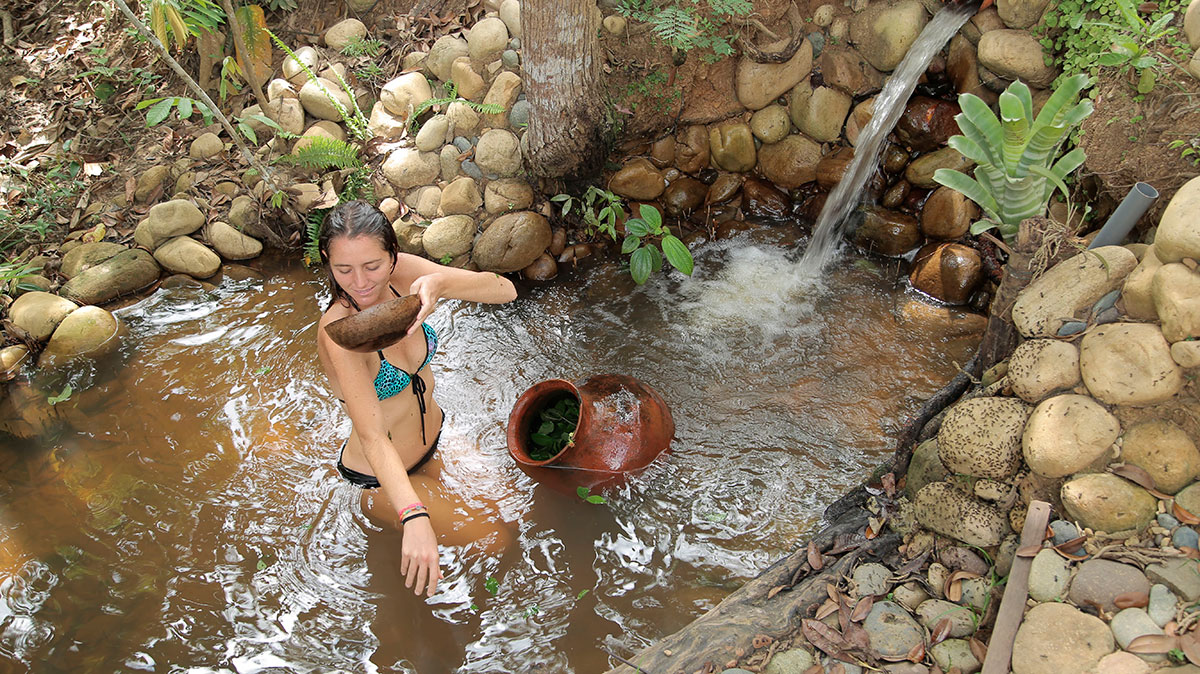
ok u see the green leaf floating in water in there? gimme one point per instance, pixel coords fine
(491, 585)
(66, 393)
(585, 494)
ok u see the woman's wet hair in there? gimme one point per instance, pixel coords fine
(349, 220)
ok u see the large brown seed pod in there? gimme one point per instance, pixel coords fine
(376, 327)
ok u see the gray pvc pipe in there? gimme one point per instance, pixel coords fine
(1126, 216)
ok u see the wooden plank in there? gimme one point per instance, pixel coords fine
(1012, 606)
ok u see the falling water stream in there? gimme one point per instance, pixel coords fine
(183, 514)
(886, 111)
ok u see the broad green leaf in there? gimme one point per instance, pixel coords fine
(560, 198)
(640, 263)
(491, 585)
(970, 149)
(656, 259)
(595, 499)
(147, 103)
(156, 114)
(678, 254)
(968, 187)
(637, 227)
(581, 594)
(63, 395)
(652, 217)
(985, 122)
(1112, 59)
(184, 105)
(583, 491)
(266, 120)
(1053, 178)
(980, 226)
(630, 244)
(248, 132)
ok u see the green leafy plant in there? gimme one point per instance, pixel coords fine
(370, 72)
(555, 429)
(1016, 172)
(491, 585)
(1189, 150)
(451, 97)
(1134, 45)
(16, 272)
(357, 122)
(180, 19)
(48, 190)
(242, 122)
(357, 185)
(599, 209)
(644, 253)
(586, 494)
(324, 153)
(362, 47)
(686, 25)
(160, 109)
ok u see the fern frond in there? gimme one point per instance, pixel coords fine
(676, 26)
(731, 7)
(356, 123)
(323, 153)
(312, 230)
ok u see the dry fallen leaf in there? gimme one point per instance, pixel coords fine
(1183, 515)
(1153, 643)
(814, 557)
(1131, 600)
(825, 610)
(862, 609)
(978, 649)
(774, 591)
(1029, 550)
(823, 637)
(941, 630)
(1134, 474)
(815, 669)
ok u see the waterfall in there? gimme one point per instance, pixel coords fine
(827, 234)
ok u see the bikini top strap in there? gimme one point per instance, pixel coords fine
(394, 291)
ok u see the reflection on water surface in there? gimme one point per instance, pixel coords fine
(185, 517)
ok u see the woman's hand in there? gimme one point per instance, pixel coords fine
(429, 289)
(419, 556)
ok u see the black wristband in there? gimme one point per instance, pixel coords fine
(411, 517)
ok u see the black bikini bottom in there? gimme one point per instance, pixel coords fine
(370, 481)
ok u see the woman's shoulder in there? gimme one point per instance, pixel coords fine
(336, 311)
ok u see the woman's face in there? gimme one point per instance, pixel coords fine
(362, 267)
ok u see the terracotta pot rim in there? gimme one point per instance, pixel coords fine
(535, 396)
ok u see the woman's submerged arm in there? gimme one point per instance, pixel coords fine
(419, 563)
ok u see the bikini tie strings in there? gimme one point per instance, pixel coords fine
(418, 388)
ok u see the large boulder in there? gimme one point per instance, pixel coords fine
(504, 92)
(320, 129)
(487, 39)
(770, 125)
(886, 232)
(402, 95)
(1015, 55)
(512, 242)
(1177, 236)
(39, 313)
(1105, 502)
(1021, 13)
(1066, 434)
(230, 243)
(947, 214)
(442, 56)
(123, 273)
(87, 331)
(884, 32)
(433, 134)
(406, 168)
(449, 237)
(1163, 450)
(920, 171)
(791, 162)
(982, 437)
(384, 124)
(1058, 638)
(178, 217)
(461, 197)
(942, 508)
(318, 96)
(1070, 289)
(1136, 293)
(344, 32)
(947, 271)
(819, 112)
(1176, 294)
(498, 153)
(691, 149)
(1039, 367)
(511, 194)
(638, 179)
(185, 255)
(731, 146)
(87, 255)
(759, 84)
(1128, 364)
(293, 71)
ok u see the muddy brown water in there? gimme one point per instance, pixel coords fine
(183, 515)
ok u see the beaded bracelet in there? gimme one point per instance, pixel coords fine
(413, 516)
(411, 508)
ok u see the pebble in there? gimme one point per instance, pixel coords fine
(469, 168)
(1179, 575)
(962, 559)
(515, 44)
(1121, 663)
(462, 143)
(818, 43)
(962, 620)
(1049, 576)
(1167, 521)
(1099, 581)
(1132, 623)
(1065, 531)
(1109, 315)
(871, 579)
(510, 59)
(1071, 328)
(976, 593)
(905, 668)
(794, 661)
(892, 630)
(955, 653)
(1162, 604)
(1106, 302)
(518, 117)
(938, 575)
(910, 595)
(1185, 537)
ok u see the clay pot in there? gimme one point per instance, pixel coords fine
(376, 327)
(623, 426)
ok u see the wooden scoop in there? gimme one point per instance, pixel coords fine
(376, 327)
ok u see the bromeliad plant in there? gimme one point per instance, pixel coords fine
(1015, 172)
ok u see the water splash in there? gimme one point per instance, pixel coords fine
(889, 105)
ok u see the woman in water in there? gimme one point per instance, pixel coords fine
(389, 394)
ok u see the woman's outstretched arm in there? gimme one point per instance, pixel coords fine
(431, 281)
